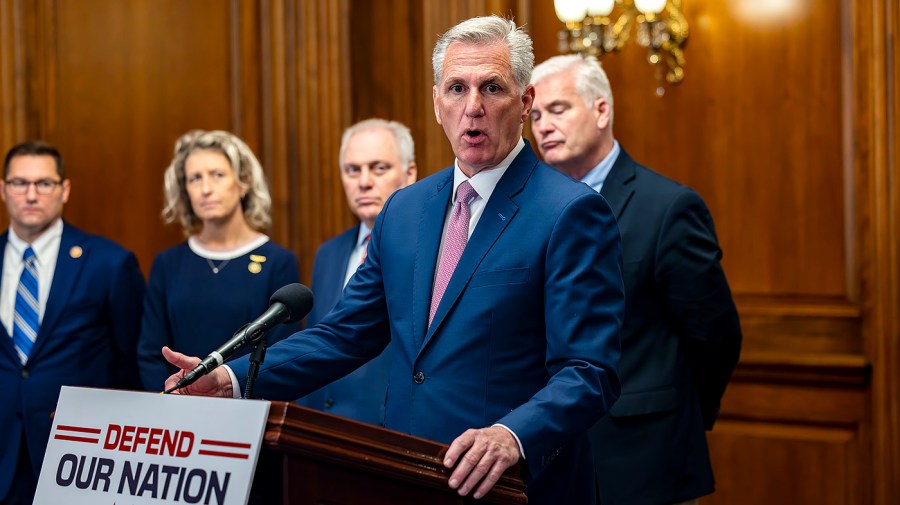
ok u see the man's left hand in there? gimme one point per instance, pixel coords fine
(483, 456)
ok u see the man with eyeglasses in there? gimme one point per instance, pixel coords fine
(70, 312)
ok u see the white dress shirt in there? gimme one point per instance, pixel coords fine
(46, 250)
(357, 255)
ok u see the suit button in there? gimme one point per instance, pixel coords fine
(419, 377)
(24, 374)
(329, 403)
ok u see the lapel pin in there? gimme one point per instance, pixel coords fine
(254, 267)
(502, 217)
(75, 252)
(257, 258)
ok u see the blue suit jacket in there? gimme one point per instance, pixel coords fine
(359, 395)
(88, 337)
(680, 343)
(526, 333)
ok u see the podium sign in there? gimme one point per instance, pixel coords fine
(136, 448)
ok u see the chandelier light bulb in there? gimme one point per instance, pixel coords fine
(600, 7)
(592, 28)
(570, 11)
(650, 6)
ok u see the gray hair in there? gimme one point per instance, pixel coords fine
(488, 30)
(590, 79)
(256, 204)
(403, 139)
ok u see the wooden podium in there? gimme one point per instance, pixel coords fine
(310, 457)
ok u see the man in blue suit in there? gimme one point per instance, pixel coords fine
(377, 157)
(497, 283)
(681, 338)
(70, 307)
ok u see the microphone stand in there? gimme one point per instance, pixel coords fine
(257, 356)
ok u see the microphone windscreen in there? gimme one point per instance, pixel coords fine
(297, 298)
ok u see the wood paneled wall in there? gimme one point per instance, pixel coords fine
(786, 124)
(113, 84)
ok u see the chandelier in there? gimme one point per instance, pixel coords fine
(592, 28)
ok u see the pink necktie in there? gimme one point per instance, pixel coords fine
(454, 243)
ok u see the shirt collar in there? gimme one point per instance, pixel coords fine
(597, 176)
(364, 232)
(485, 180)
(237, 252)
(41, 245)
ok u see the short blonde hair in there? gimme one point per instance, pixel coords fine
(256, 204)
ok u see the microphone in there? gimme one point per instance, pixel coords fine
(289, 304)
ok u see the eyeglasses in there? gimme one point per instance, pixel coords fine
(41, 186)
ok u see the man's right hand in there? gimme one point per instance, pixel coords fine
(215, 383)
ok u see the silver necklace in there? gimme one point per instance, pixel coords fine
(216, 268)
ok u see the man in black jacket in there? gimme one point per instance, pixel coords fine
(681, 336)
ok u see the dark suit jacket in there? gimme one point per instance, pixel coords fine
(680, 343)
(526, 333)
(88, 337)
(359, 395)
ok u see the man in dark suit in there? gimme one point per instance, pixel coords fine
(497, 283)
(681, 338)
(70, 307)
(377, 157)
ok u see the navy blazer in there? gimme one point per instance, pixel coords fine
(359, 395)
(526, 333)
(88, 337)
(680, 342)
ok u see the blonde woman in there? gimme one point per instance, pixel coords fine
(202, 290)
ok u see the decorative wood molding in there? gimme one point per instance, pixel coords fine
(304, 107)
(824, 455)
(824, 370)
(876, 57)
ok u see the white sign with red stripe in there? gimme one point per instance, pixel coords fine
(131, 448)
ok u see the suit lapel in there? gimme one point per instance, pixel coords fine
(431, 226)
(616, 187)
(498, 213)
(338, 266)
(7, 344)
(68, 269)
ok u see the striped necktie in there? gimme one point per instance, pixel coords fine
(25, 319)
